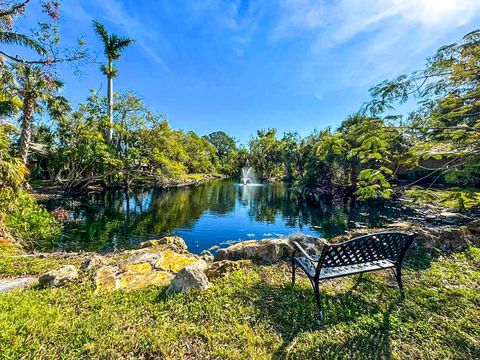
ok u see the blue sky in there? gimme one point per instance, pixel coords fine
(242, 65)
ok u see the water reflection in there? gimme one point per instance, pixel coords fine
(218, 213)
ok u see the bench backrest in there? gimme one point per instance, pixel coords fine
(381, 246)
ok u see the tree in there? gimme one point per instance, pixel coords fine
(447, 121)
(265, 154)
(290, 153)
(44, 41)
(113, 46)
(224, 143)
(365, 153)
(12, 169)
(226, 150)
(7, 34)
(38, 92)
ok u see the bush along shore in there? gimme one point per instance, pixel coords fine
(161, 301)
(44, 190)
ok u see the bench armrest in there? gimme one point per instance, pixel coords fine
(300, 249)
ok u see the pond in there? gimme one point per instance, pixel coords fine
(207, 216)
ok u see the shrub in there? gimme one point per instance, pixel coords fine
(26, 220)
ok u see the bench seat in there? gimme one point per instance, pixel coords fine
(331, 272)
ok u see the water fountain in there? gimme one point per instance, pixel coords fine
(248, 176)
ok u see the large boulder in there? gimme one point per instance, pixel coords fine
(129, 276)
(190, 277)
(155, 263)
(474, 226)
(452, 218)
(107, 279)
(207, 256)
(172, 241)
(174, 262)
(59, 277)
(138, 276)
(93, 263)
(224, 268)
(269, 250)
(445, 238)
(7, 285)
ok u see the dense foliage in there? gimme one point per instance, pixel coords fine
(20, 215)
(144, 146)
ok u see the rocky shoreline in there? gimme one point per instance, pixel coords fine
(167, 261)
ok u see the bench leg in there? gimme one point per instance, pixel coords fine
(318, 300)
(398, 275)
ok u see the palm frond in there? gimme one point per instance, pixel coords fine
(101, 31)
(124, 42)
(12, 38)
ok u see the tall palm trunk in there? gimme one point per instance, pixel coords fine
(26, 134)
(110, 101)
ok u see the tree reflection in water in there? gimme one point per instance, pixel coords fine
(210, 214)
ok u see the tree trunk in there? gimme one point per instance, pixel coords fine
(26, 134)
(110, 108)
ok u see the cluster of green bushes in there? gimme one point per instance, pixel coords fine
(20, 215)
(143, 144)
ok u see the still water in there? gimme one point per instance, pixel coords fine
(207, 216)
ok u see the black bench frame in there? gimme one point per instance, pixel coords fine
(366, 253)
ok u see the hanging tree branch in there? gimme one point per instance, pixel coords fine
(14, 9)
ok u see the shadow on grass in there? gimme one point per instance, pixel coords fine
(291, 310)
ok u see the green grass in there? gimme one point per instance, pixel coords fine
(13, 264)
(256, 314)
(453, 198)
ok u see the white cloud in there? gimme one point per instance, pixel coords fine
(237, 18)
(339, 21)
(114, 12)
(385, 37)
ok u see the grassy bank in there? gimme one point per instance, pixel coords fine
(255, 313)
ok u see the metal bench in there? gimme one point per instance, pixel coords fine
(363, 254)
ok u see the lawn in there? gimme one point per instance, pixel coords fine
(255, 313)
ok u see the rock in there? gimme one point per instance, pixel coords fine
(452, 218)
(144, 268)
(7, 285)
(224, 268)
(207, 256)
(93, 263)
(174, 262)
(107, 278)
(474, 226)
(141, 257)
(190, 277)
(129, 277)
(269, 250)
(59, 277)
(174, 241)
(156, 278)
(138, 276)
(444, 238)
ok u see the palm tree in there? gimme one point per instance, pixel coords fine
(113, 45)
(37, 91)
